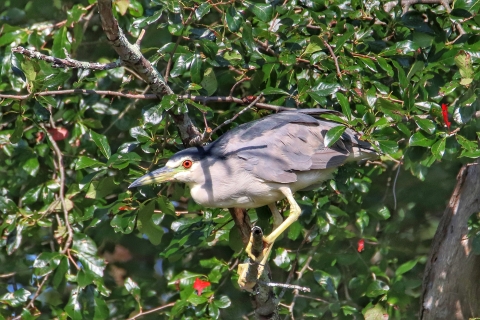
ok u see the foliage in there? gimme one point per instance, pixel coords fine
(388, 71)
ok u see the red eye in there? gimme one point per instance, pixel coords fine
(187, 164)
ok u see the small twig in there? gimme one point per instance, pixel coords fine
(394, 189)
(140, 38)
(285, 286)
(168, 305)
(124, 111)
(148, 96)
(207, 134)
(7, 275)
(67, 62)
(72, 260)
(61, 170)
(334, 57)
(236, 84)
(295, 262)
(35, 296)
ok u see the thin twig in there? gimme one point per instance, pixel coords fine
(7, 275)
(140, 38)
(334, 57)
(208, 134)
(168, 305)
(148, 96)
(35, 296)
(295, 262)
(236, 84)
(285, 286)
(61, 170)
(394, 189)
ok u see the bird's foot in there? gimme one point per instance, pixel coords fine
(258, 250)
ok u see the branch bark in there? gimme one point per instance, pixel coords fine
(450, 283)
(263, 300)
(131, 56)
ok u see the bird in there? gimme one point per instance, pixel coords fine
(262, 162)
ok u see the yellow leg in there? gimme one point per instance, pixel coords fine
(279, 228)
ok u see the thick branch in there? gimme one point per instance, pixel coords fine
(450, 283)
(131, 56)
(67, 62)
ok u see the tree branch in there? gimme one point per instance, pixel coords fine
(67, 62)
(131, 56)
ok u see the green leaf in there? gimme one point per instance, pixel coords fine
(375, 313)
(377, 288)
(17, 298)
(270, 90)
(202, 10)
(326, 281)
(85, 162)
(74, 307)
(234, 19)
(101, 309)
(463, 61)
(388, 146)
(46, 262)
(102, 143)
(209, 81)
(438, 148)
(426, 125)
(383, 213)
(343, 101)
(18, 132)
(421, 140)
(124, 223)
(382, 62)
(416, 68)
(223, 302)
(247, 37)
(168, 102)
(262, 11)
(196, 69)
(325, 89)
(31, 166)
(407, 266)
(133, 288)
(333, 135)
(146, 224)
(60, 43)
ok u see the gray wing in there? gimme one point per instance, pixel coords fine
(276, 146)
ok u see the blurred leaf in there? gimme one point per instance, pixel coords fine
(377, 288)
(407, 266)
(147, 226)
(18, 132)
(17, 298)
(326, 281)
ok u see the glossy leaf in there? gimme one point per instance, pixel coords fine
(333, 135)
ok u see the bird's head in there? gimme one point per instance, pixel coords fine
(184, 166)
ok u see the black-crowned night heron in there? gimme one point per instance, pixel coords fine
(261, 162)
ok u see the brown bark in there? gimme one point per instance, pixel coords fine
(263, 298)
(451, 287)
